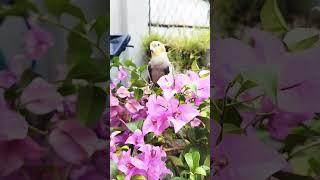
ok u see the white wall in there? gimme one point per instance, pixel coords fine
(130, 17)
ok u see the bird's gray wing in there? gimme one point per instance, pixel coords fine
(166, 70)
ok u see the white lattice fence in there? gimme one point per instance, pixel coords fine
(169, 17)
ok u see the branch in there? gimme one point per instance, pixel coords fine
(84, 36)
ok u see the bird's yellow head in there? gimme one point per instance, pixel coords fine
(157, 48)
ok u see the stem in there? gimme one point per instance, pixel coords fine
(174, 149)
(216, 106)
(38, 130)
(46, 19)
(245, 101)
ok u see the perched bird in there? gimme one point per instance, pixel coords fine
(159, 64)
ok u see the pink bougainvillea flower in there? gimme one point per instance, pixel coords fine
(156, 120)
(123, 92)
(12, 125)
(195, 122)
(155, 124)
(113, 141)
(122, 74)
(40, 97)
(280, 123)
(7, 79)
(86, 172)
(133, 106)
(141, 114)
(129, 165)
(15, 153)
(15, 68)
(137, 138)
(73, 142)
(150, 163)
(202, 85)
(167, 84)
(157, 106)
(240, 157)
(172, 84)
(153, 158)
(37, 42)
(113, 100)
(181, 114)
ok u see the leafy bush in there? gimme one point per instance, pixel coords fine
(56, 127)
(182, 50)
(159, 132)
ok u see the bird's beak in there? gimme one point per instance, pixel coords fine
(152, 49)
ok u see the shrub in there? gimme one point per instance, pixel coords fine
(182, 50)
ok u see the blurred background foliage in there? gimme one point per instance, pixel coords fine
(230, 17)
(182, 50)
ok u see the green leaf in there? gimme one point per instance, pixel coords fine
(139, 83)
(19, 8)
(91, 70)
(266, 77)
(201, 171)
(26, 78)
(129, 63)
(176, 161)
(100, 25)
(246, 86)
(287, 175)
(56, 7)
(134, 76)
(177, 178)
(67, 89)
(192, 177)
(113, 169)
(207, 161)
(192, 159)
(79, 49)
(301, 38)
(120, 177)
(59, 7)
(231, 129)
(138, 93)
(231, 116)
(142, 68)
(272, 19)
(194, 66)
(204, 73)
(138, 178)
(189, 160)
(132, 126)
(315, 165)
(74, 11)
(91, 103)
(298, 136)
(115, 62)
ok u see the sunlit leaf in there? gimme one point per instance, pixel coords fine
(272, 19)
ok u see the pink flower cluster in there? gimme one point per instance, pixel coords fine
(159, 113)
(296, 85)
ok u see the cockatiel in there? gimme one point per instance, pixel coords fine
(159, 64)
